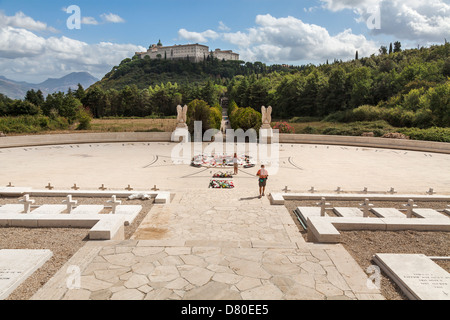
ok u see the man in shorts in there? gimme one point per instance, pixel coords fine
(263, 176)
(235, 164)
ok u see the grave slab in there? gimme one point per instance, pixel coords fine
(348, 212)
(428, 214)
(417, 275)
(447, 211)
(108, 228)
(49, 209)
(388, 213)
(129, 212)
(17, 265)
(88, 209)
(306, 212)
(11, 208)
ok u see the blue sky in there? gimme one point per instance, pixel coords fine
(35, 42)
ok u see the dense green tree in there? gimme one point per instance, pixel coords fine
(383, 50)
(62, 105)
(360, 82)
(258, 94)
(446, 68)
(199, 110)
(35, 97)
(334, 94)
(80, 92)
(439, 104)
(95, 101)
(18, 107)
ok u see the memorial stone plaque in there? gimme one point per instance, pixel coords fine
(17, 265)
(417, 275)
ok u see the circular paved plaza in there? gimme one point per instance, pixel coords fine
(143, 165)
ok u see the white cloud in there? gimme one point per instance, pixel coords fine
(112, 18)
(89, 20)
(197, 37)
(36, 58)
(17, 43)
(20, 20)
(427, 21)
(223, 27)
(338, 5)
(290, 39)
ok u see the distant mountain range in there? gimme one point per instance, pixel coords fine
(17, 90)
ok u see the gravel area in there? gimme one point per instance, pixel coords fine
(63, 242)
(363, 245)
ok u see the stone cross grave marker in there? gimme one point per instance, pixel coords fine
(409, 208)
(114, 203)
(70, 203)
(75, 187)
(49, 186)
(102, 187)
(286, 190)
(312, 190)
(366, 207)
(392, 191)
(154, 188)
(129, 188)
(27, 202)
(323, 203)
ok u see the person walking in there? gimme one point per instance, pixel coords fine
(263, 175)
(235, 164)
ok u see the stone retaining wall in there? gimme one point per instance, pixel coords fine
(55, 139)
(413, 145)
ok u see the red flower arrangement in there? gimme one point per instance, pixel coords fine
(284, 127)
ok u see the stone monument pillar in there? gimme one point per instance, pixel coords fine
(181, 132)
(266, 132)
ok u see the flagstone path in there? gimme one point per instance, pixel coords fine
(208, 245)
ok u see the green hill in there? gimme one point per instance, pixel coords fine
(409, 88)
(146, 72)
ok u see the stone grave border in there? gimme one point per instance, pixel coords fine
(161, 197)
(326, 229)
(280, 198)
(103, 227)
